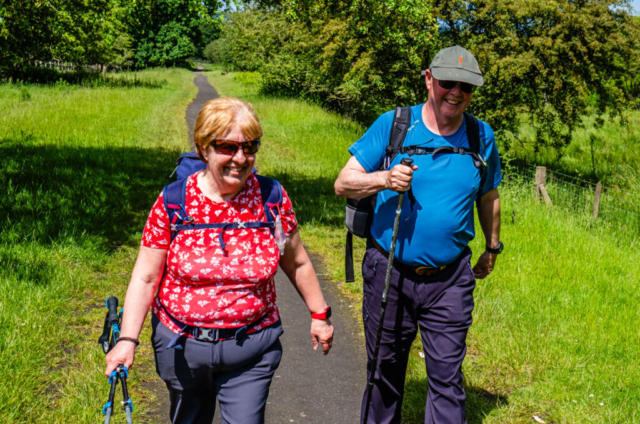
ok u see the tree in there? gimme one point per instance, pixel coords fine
(209, 31)
(65, 30)
(550, 62)
(164, 32)
(360, 57)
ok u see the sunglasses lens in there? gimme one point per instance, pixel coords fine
(447, 85)
(467, 88)
(251, 147)
(225, 147)
(230, 147)
(464, 87)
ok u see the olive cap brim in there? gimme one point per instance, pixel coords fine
(457, 74)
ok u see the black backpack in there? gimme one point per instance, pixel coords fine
(359, 212)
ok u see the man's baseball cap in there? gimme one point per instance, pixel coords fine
(456, 64)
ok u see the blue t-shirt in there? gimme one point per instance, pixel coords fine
(445, 187)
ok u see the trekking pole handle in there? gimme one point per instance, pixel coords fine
(406, 161)
(112, 306)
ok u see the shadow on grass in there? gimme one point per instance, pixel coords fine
(479, 402)
(56, 193)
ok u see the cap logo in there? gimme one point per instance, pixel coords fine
(460, 59)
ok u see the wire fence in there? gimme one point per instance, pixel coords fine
(618, 207)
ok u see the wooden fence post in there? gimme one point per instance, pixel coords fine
(541, 180)
(596, 200)
(547, 199)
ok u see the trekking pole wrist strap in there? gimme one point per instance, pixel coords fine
(129, 339)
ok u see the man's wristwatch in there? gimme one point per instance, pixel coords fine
(326, 314)
(497, 250)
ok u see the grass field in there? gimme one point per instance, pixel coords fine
(80, 168)
(609, 154)
(555, 332)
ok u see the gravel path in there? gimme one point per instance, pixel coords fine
(308, 387)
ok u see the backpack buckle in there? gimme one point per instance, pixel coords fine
(241, 225)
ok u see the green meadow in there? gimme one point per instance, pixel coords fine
(80, 167)
(555, 330)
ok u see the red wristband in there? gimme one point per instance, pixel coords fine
(326, 314)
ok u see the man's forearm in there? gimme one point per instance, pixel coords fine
(489, 216)
(358, 185)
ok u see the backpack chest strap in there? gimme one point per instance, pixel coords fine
(222, 226)
(419, 150)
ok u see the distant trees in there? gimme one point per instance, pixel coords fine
(165, 32)
(64, 29)
(549, 63)
(108, 32)
(360, 57)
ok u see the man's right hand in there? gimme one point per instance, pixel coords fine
(399, 177)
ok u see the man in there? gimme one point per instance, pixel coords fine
(432, 281)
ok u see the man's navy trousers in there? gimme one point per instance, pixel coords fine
(441, 306)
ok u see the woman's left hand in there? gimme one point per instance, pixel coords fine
(321, 333)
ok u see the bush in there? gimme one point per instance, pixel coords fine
(214, 51)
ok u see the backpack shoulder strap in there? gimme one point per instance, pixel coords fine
(473, 132)
(399, 128)
(271, 193)
(473, 135)
(174, 197)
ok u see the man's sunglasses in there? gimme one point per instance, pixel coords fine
(464, 86)
(230, 147)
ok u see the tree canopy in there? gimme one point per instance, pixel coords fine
(551, 62)
(360, 57)
(108, 32)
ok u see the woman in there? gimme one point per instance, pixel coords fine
(213, 284)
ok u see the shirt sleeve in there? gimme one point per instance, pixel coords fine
(370, 149)
(157, 231)
(492, 158)
(287, 215)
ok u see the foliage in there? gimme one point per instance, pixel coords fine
(209, 31)
(554, 62)
(164, 31)
(250, 39)
(115, 33)
(66, 30)
(359, 57)
(214, 51)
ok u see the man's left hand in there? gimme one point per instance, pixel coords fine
(484, 266)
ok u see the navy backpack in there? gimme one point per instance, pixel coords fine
(174, 200)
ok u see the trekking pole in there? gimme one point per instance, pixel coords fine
(385, 293)
(108, 339)
(126, 402)
(108, 407)
(111, 329)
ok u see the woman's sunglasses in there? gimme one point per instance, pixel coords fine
(230, 147)
(464, 86)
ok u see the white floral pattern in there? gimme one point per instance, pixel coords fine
(207, 286)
